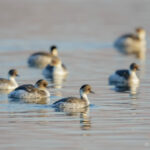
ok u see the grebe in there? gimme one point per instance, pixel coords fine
(31, 93)
(73, 102)
(42, 59)
(10, 83)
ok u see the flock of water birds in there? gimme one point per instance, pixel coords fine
(54, 69)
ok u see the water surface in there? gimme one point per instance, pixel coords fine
(84, 35)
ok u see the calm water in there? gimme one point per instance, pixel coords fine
(114, 121)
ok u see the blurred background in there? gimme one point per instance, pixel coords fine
(71, 20)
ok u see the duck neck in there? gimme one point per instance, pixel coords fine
(133, 74)
(58, 66)
(84, 97)
(54, 52)
(141, 36)
(12, 79)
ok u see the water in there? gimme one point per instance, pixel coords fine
(114, 121)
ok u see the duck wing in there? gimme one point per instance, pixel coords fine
(26, 87)
(123, 73)
(41, 53)
(68, 100)
(49, 68)
(133, 36)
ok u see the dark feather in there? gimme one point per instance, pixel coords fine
(41, 53)
(123, 73)
(49, 68)
(31, 89)
(130, 36)
(26, 87)
(64, 67)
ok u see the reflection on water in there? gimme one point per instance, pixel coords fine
(57, 81)
(44, 100)
(118, 118)
(82, 113)
(85, 122)
(132, 90)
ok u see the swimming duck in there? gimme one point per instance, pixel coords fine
(132, 43)
(125, 78)
(73, 102)
(31, 93)
(10, 83)
(55, 69)
(42, 59)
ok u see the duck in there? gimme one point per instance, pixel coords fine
(55, 70)
(10, 83)
(31, 93)
(132, 43)
(42, 59)
(125, 78)
(74, 102)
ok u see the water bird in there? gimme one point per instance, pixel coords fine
(10, 83)
(74, 102)
(42, 59)
(32, 93)
(126, 79)
(132, 43)
(55, 70)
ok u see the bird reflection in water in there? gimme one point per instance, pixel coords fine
(83, 113)
(132, 90)
(44, 100)
(85, 122)
(57, 81)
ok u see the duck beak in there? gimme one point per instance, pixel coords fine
(92, 92)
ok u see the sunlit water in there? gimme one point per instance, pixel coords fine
(84, 32)
(113, 119)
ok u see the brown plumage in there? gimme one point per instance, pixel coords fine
(73, 102)
(31, 92)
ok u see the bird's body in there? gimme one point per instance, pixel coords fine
(125, 78)
(55, 69)
(132, 43)
(31, 93)
(70, 102)
(42, 59)
(73, 102)
(10, 83)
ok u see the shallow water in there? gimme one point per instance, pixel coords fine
(114, 121)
